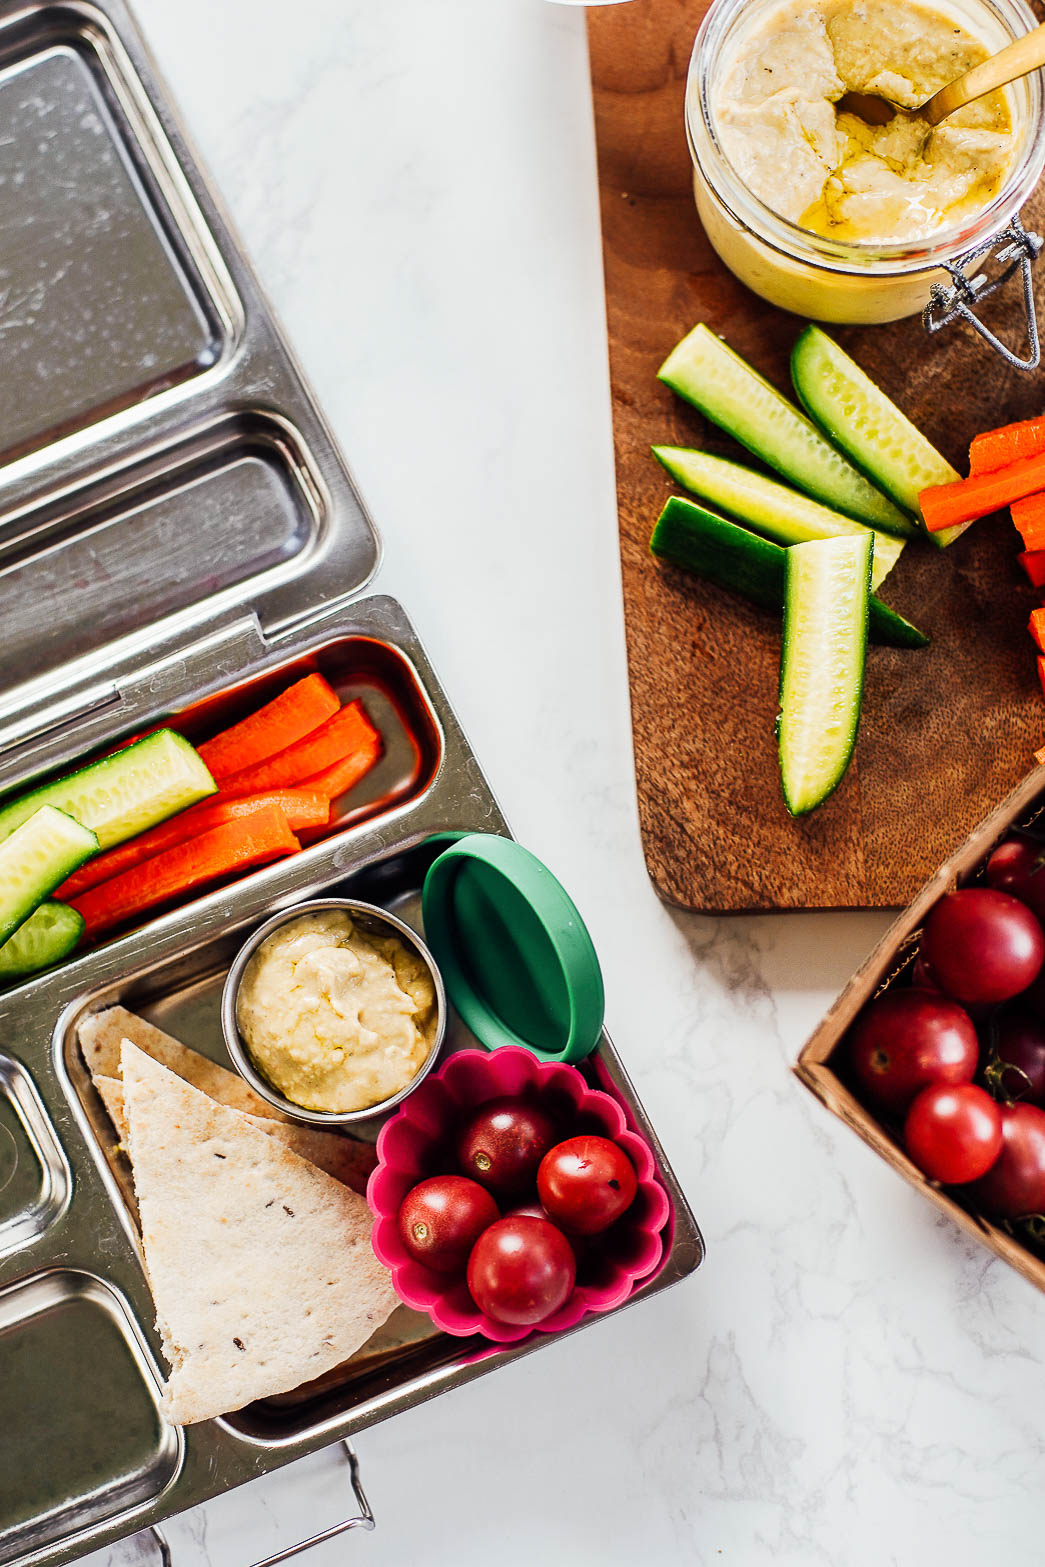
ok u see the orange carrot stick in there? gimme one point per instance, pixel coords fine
(995, 449)
(302, 809)
(344, 735)
(1033, 563)
(1041, 671)
(1037, 627)
(293, 714)
(1029, 516)
(187, 869)
(949, 505)
(344, 775)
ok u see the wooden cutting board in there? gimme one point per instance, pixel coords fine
(946, 733)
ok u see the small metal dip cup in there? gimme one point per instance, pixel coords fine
(374, 921)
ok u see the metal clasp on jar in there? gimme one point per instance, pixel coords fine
(1018, 250)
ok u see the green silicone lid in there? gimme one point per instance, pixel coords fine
(516, 959)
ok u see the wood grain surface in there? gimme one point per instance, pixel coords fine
(946, 733)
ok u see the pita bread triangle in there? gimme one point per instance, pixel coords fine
(102, 1034)
(260, 1264)
(342, 1157)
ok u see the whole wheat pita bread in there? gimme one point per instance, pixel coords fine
(345, 1159)
(260, 1265)
(102, 1034)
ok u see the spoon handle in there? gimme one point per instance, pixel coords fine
(1018, 59)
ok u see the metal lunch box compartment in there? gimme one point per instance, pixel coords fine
(179, 540)
(35, 1182)
(73, 1357)
(820, 1067)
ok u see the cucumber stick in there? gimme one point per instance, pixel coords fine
(773, 509)
(705, 371)
(822, 666)
(867, 425)
(688, 535)
(48, 935)
(35, 859)
(123, 794)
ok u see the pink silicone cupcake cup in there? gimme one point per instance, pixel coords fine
(413, 1145)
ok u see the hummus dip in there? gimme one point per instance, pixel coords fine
(833, 174)
(334, 1017)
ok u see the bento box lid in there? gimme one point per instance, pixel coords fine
(164, 469)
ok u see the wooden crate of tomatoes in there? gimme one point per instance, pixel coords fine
(935, 1051)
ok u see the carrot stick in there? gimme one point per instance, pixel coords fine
(301, 808)
(346, 734)
(949, 505)
(995, 449)
(344, 775)
(1037, 628)
(293, 714)
(1033, 563)
(1029, 516)
(1041, 671)
(188, 868)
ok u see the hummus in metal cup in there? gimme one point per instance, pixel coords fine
(833, 174)
(335, 1017)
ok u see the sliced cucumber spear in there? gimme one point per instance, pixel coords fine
(688, 535)
(773, 509)
(123, 794)
(35, 859)
(867, 425)
(48, 936)
(705, 371)
(822, 666)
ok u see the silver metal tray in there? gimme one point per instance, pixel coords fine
(178, 536)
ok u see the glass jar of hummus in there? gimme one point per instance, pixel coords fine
(822, 214)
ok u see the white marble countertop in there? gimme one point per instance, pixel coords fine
(847, 1380)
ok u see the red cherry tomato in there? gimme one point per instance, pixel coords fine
(521, 1270)
(907, 1039)
(922, 976)
(503, 1141)
(1034, 996)
(1017, 867)
(586, 1183)
(1019, 1042)
(441, 1219)
(953, 1132)
(982, 945)
(1014, 1187)
(526, 1210)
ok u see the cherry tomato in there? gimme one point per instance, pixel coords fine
(982, 945)
(1019, 1041)
(922, 976)
(907, 1039)
(526, 1210)
(586, 1183)
(521, 1270)
(1016, 867)
(503, 1141)
(441, 1219)
(1015, 1185)
(953, 1132)
(1034, 996)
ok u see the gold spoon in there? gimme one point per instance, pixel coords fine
(1017, 59)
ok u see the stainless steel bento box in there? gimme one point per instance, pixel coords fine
(178, 536)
